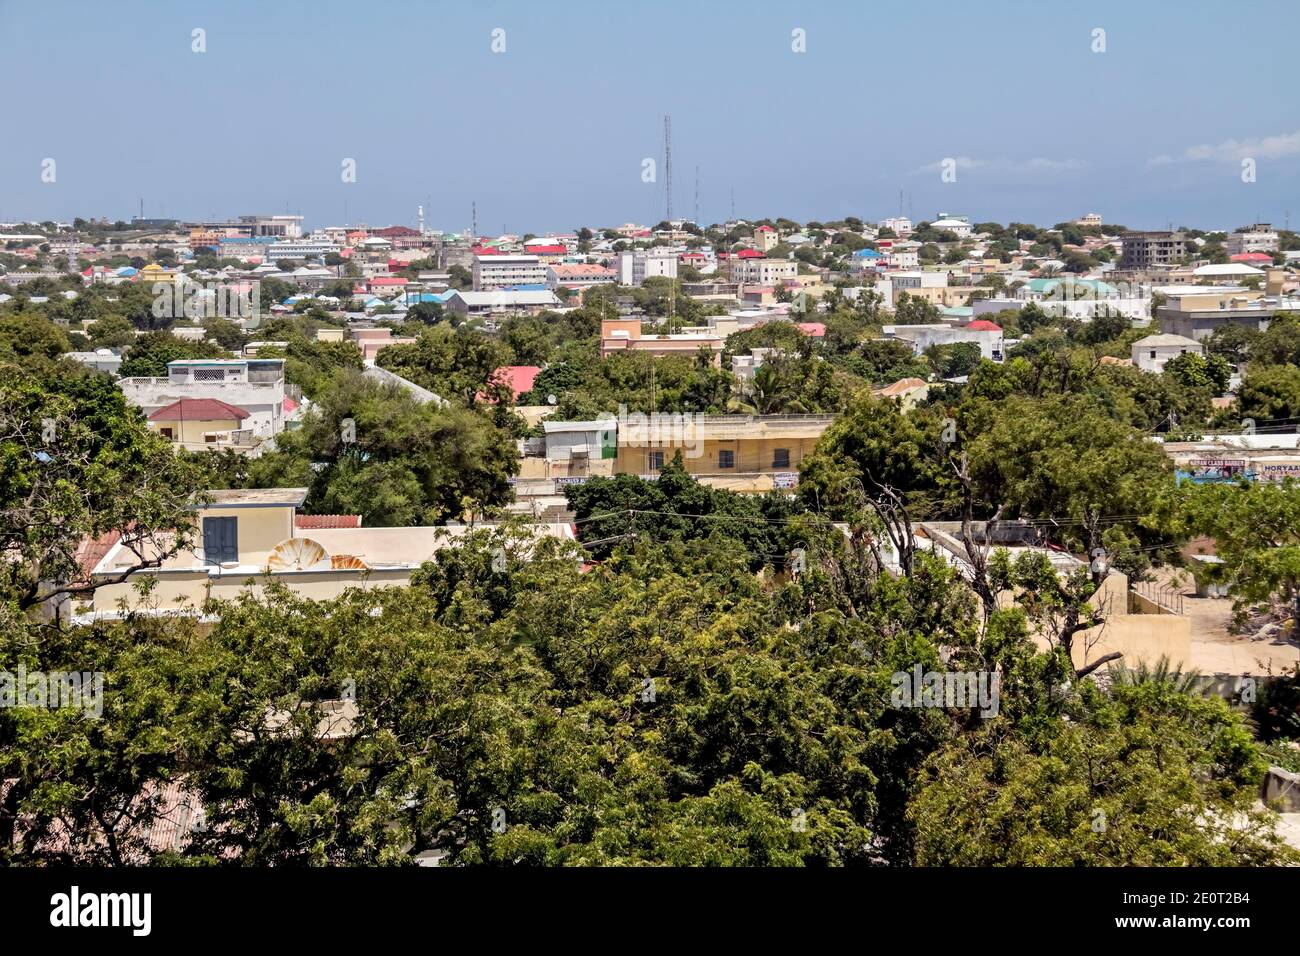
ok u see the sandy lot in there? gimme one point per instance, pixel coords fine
(1215, 650)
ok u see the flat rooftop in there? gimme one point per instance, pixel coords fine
(257, 497)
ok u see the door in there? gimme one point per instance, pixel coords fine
(220, 540)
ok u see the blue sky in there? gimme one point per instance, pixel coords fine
(552, 132)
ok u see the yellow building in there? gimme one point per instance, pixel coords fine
(155, 273)
(743, 452)
(201, 421)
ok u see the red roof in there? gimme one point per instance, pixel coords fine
(520, 378)
(92, 550)
(486, 251)
(388, 280)
(1251, 257)
(984, 325)
(765, 229)
(313, 522)
(750, 254)
(815, 329)
(198, 410)
(535, 249)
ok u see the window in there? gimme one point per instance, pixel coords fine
(209, 374)
(654, 460)
(726, 458)
(166, 433)
(220, 540)
(781, 458)
(1153, 353)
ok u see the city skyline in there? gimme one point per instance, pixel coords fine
(872, 107)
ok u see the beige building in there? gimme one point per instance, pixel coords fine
(740, 448)
(624, 335)
(245, 539)
(195, 423)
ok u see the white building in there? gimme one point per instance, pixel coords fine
(959, 226)
(503, 272)
(763, 271)
(635, 267)
(300, 249)
(500, 301)
(255, 385)
(987, 335)
(1151, 353)
(901, 225)
(1257, 238)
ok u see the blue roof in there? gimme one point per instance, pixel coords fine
(868, 254)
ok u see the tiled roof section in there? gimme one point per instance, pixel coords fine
(198, 410)
(901, 387)
(311, 522)
(92, 550)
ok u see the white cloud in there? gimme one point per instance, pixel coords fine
(1038, 164)
(1235, 150)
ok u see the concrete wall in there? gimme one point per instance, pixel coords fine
(1139, 637)
(176, 589)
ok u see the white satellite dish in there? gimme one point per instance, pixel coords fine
(297, 554)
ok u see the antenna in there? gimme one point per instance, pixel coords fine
(697, 195)
(733, 203)
(420, 209)
(473, 211)
(668, 165)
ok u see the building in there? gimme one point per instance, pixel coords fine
(1092, 219)
(195, 423)
(299, 249)
(987, 335)
(101, 360)
(624, 335)
(635, 267)
(899, 225)
(247, 539)
(765, 238)
(255, 386)
(907, 391)
(1151, 353)
(1195, 311)
(1259, 237)
(502, 301)
(507, 272)
(959, 226)
(763, 272)
(580, 449)
(1152, 250)
(742, 452)
(579, 276)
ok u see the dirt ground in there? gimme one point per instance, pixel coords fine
(1215, 649)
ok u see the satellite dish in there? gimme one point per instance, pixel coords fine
(348, 562)
(550, 399)
(297, 554)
